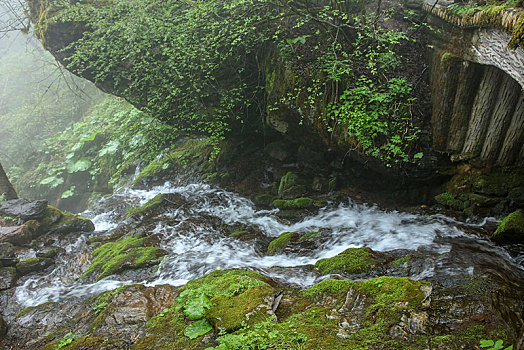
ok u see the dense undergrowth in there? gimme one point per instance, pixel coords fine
(200, 65)
(94, 153)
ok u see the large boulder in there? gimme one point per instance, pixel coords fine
(70, 223)
(7, 277)
(23, 208)
(17, 235)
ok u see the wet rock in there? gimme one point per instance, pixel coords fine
(8, 262)
(49, 252)
(291, 186)
(7, 250)
(278, 244)
(23, 208)
(127, 311)
(3, 328)
(71, 223)
(278, 150)
(511, 229)
(33, 265)
(7, 277)
(51, 217)
(299, 203)
(17, 235)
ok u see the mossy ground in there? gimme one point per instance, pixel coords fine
(351, 261)
(125, 252)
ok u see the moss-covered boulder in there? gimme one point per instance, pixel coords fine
(291, 186)
(299, 203)
(72, 223)
(456, 202)
(150, 205)
(126, 253)
(511, 229)
(226, 300)
(33, 265)
(279, 244)
(264, 200)
(350, 261)
(51, 216)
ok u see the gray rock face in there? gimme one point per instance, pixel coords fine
(7, 277)
(3, 328)
(23, 208)
(17, 235)
(7, 250)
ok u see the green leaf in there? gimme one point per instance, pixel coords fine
(485, 343)
(52, 181)
(69, 193)
(110, 148)
(418, 155)
(198, 328)
(90, 137)
(80, 165)
(196, 307)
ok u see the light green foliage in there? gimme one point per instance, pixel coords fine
(198, 328)
(66, 340)
(111, 257)
(78, 165)
(351, 260)
(492, 345)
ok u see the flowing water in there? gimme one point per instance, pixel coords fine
(196, 236)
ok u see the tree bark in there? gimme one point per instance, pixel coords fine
(5, 186)
(481, 112)
(514, 139)
(501, 118)
(468, 84)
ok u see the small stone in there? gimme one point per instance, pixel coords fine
(7, 277)
(23, 208)
(17, 235)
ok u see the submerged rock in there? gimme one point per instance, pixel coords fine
(23, 208)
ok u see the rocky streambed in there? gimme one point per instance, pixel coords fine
(191, 266)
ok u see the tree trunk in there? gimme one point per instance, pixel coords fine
(5, 186)
(501, 118)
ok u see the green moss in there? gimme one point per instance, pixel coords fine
(264, 199)
(238, 233)
(125, 252)
(27, 309)
(151, 204)
(299, 203)
(400, 261)
(33, 265)
(310, 235)
(335, 288)
(511, 229)
(51, 216)
(278, 244)
(352, 260)
(455, 202)
(447, 57)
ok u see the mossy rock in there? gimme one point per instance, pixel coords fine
(264, 200)
(152, 204)
(350, 261)
(279, 244)
(291, 186)
(51, 216)
(511, 229)
(125, 253)
(449, 200)
(33, 265)
(299, 203)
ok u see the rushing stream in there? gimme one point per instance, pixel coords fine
(196, 237)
